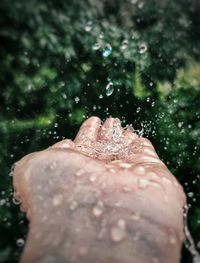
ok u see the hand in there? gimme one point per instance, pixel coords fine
(104, 197)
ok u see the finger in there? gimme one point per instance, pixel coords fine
(111, 130)
(64, 144)
(88, 131)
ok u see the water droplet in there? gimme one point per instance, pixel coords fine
(57, 199)
(190, 194)
(16, 199)
(53, 165)
(118, 231)
(64, 96)
(109, 89)
(96, 46)
(143, 183)
(20, 242)
(12, 169)
(112, 170)
(101, 36)
(88, 26)
(73, 205)
(139, 170)
(93, 178)
(100, 96)
(124, 44)
(107, 51)
(140, 5)
(126, 189)
(125, 165)
(80, 172)
(98, 209)
(142, 48)
(172, 239)
(76, 99)
(138, 110)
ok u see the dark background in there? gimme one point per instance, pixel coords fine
(52, 78)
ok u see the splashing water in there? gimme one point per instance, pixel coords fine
(107, 51)
(124, 44)
(88, 26)
(118, 146)
(109, 89)
(189, 243)
(142, 48)
(96, 46)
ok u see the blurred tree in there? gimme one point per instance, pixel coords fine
(58, 57)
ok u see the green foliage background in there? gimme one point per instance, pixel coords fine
(52, 79)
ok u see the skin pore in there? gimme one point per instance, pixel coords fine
(105, 197)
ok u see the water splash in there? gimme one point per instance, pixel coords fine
(189, 243)
(109, 89)
(142, 48)
(88, 26)
(107, 51)
(96, 46)
(12, 170)
(124, 44)
(20, 242)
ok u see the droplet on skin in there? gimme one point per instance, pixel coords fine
(80, 172)
(98, 209)
(143, 183)
(53, 165)
(118, 231)
(109, 89)
(172, 239)
(126, 189)
(57, 199)
(155, 184)
(73, 205)
(93, 178)
(20, 242)
(112, 170)
(125, 165)
(140, 170)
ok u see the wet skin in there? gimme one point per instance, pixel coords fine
(105, 197)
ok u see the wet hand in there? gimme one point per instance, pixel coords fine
(108, 191)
